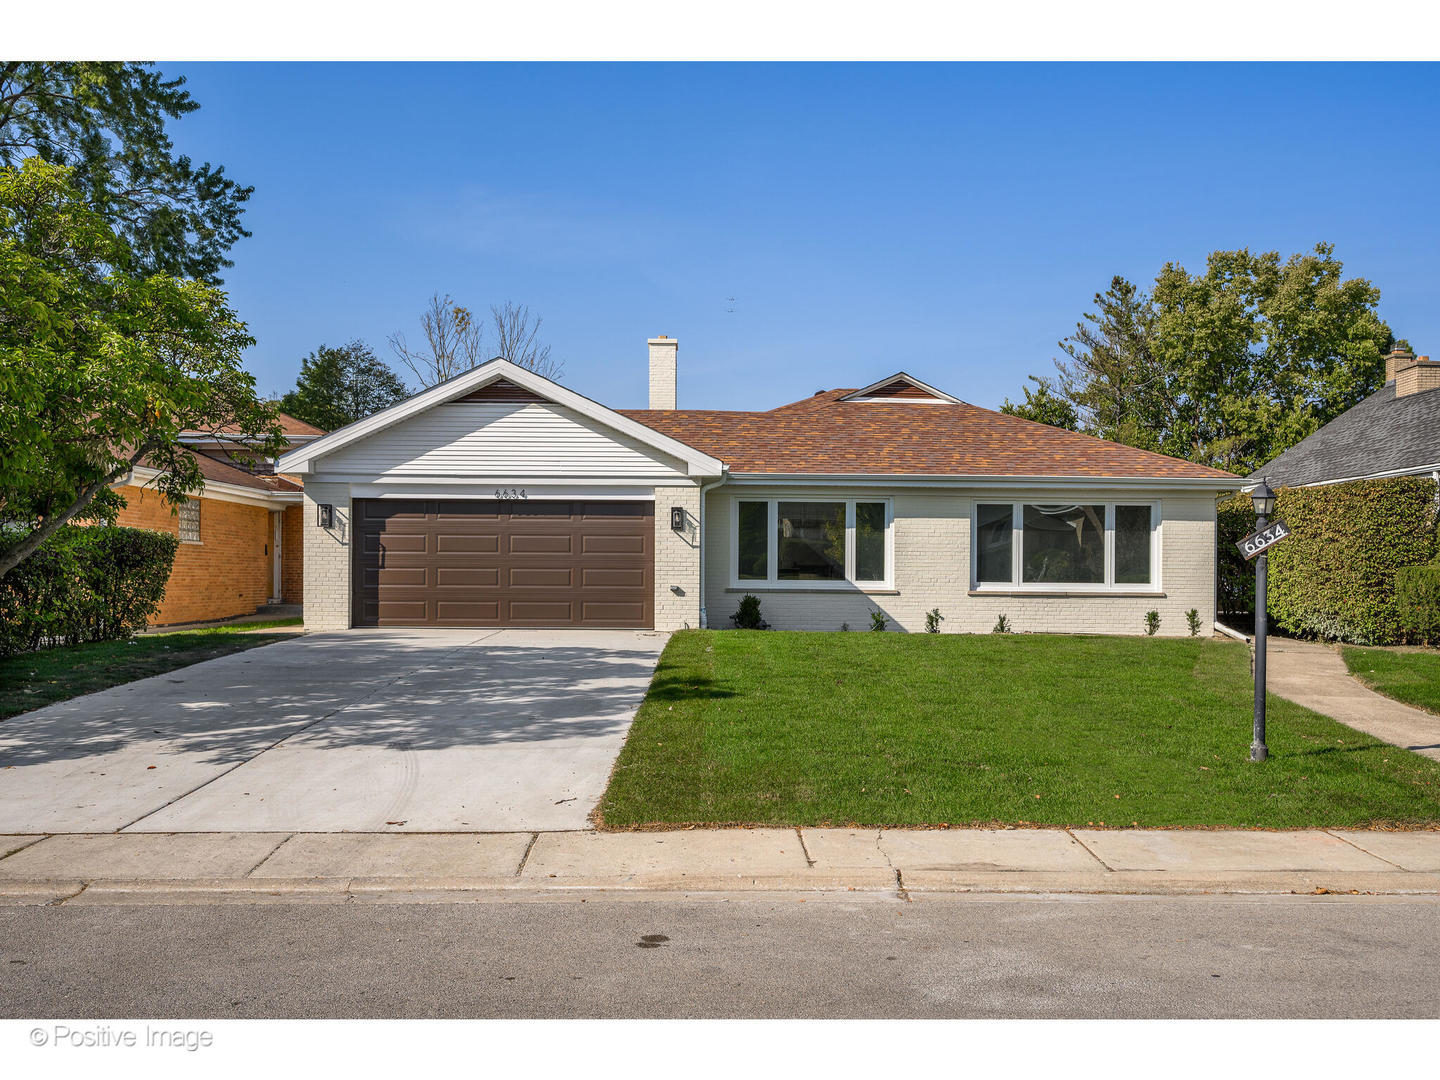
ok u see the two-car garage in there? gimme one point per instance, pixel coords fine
(501, 499)
(560, 563)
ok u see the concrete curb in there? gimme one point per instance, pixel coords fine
(159, 868)
(932, 884)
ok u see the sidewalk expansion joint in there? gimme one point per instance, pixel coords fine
(22, 847)
(804, 848)
(1088, 851)
(266, 858)
(525, 857)
(1357, 847)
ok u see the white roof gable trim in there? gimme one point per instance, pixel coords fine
(937, 397)
(302, 459)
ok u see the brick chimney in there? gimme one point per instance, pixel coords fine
(1395, 360)
(663, 352)
(1418, 375)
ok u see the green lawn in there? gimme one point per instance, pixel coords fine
(910, 729)
(1411, 677)
(34, 679)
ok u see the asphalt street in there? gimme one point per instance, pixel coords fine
(747, 956)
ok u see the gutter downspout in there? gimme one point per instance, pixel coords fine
(704, 489)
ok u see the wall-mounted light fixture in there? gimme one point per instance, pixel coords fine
(677, 518)
(325, 515)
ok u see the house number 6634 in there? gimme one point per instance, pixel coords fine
(506, 494)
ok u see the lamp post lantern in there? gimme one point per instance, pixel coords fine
(1264, 501)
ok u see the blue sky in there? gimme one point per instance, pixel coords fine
(953, 221)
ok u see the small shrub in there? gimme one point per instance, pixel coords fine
(1152, 622)
(933, 619)
(878, 621)
(1002, 626)
(85, 583)
(1192, 619)
(1417, 602)
(844, 628)
(747, 615)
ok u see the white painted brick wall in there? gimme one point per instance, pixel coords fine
(932, 569)
(677, 560)
(663, 354)
(327, 559)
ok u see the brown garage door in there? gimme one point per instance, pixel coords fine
(486, 563)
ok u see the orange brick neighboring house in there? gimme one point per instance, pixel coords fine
(240, 537)
(292, 580)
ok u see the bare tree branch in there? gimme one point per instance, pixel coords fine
(515, 332)
(454, 340)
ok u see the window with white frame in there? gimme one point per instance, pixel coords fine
(811, 543)
(190, 521)
(1083, 546)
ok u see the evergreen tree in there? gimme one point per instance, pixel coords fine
(106, 121)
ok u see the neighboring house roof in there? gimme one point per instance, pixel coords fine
(294, 430)
(290, 426)
(218, 472)
(1382, 436)
(827, 435)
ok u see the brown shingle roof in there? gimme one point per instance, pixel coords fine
(288, 425)
(823, 435)
(219, 472)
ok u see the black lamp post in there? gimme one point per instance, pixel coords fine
(1264, 500)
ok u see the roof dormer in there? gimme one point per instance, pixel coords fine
(902, 389)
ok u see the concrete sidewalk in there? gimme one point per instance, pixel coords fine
(117, 868)
(1314, 675)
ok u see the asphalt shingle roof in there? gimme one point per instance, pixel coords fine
(1382, 434)
(220, 472)
(824, 435)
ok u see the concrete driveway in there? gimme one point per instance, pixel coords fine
(366, 731)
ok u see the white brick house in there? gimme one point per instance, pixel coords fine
(500, 498)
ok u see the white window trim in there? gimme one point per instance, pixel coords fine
(772, 545)
(1017, 568)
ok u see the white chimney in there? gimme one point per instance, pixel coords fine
(662, 371)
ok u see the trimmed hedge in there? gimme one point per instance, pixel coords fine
(85, 583)
(1334, 578)
(1417, 600)
(1235, 520)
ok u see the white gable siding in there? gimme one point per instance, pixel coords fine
(500, 439)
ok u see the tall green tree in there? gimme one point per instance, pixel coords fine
(341, 385)
(1043, 405)
(107, 121)
(1229, 366)
(101, 367)
(1112, 377)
